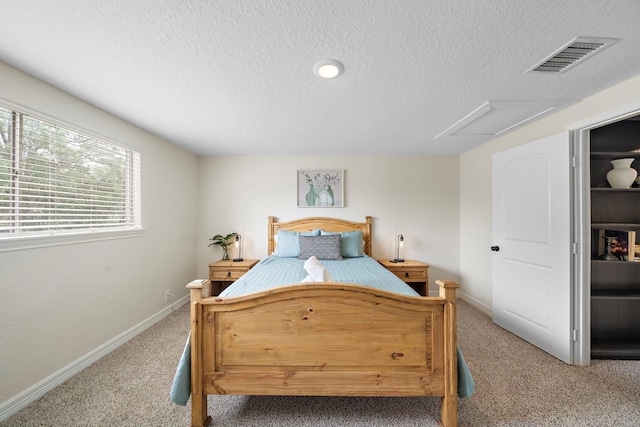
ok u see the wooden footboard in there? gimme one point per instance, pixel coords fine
(327, 339)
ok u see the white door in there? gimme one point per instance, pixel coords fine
(532, 243)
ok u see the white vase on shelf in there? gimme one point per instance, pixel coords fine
(622, 175)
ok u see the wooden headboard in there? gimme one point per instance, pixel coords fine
(315, 223)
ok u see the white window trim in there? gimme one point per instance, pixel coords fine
(43, 241)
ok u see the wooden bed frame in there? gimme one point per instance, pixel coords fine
(324, 339)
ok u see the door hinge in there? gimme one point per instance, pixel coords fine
(574, 161)
(574, 335)
(574, 248)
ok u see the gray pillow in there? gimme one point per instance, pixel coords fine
(322, 247)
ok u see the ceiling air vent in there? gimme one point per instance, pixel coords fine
(576, 51)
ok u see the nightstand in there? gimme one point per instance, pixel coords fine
(225, 272)
(414, 273)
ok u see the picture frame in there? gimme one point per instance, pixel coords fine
(320, 188)
(614, 245)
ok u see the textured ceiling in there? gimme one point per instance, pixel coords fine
(236, 77)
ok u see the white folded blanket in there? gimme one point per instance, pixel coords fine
(316, 271)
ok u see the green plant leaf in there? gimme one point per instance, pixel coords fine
(223, 241)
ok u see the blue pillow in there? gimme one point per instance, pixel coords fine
(352, 242)
(288, 245)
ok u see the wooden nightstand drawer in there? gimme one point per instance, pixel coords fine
(410, 275)
(414, 273)
(230, 274)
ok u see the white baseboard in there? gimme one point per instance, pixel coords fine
(471, 301)
(476, 303)
(36, 391)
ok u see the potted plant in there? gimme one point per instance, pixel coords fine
(223, 242)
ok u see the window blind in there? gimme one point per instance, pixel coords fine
(56, 180)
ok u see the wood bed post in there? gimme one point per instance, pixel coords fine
(367, 240)
(449, 407)
(270, 244)
(199, 417)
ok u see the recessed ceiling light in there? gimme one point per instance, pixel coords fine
(328, 68)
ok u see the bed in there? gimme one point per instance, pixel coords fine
(321, 338)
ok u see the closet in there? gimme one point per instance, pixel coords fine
(615, 271)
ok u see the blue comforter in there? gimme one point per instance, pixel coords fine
(273, 271)
(277, 271)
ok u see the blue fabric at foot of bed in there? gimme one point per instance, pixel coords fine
(181, 387)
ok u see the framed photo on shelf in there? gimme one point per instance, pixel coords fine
(320, 188)
(615, 245)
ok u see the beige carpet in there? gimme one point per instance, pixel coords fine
(516, 385)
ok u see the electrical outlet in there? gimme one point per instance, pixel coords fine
(167, 295)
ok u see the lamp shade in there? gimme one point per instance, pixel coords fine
(399, 245)
(238, 245)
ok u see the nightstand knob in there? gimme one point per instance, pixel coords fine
(228, 274)
(406, 274)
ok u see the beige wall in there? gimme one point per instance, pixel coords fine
(57, 304)
(414, 196)
(475, 181)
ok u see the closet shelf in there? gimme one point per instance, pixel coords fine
(615, 154)
(625, 294)
(615, 190)
(615, 225)
(633, 264)
(615, 349)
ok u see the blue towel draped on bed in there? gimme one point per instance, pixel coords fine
(363, 270)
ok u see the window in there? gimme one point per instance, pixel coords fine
(56, 181)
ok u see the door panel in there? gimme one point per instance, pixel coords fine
(532, 228)
(528, 293)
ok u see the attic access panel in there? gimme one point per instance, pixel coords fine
(494, 118)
